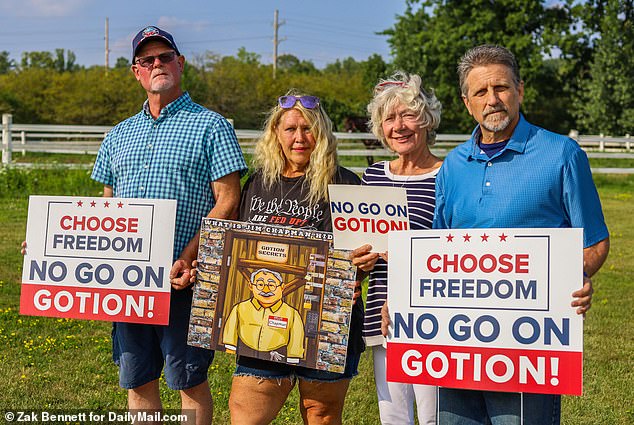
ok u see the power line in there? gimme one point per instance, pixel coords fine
(221, 40)
(332, 28)
(327, 44)
(302, 31)
(32, 33)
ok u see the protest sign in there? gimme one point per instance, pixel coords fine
(486, 309)
(275, 293)
(365, 214)
(98, 259)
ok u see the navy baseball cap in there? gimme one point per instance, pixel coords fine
(152, 33)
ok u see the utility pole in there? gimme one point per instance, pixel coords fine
(107, 49)
(276, 40)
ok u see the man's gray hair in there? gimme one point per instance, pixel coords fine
(276, 274)
(486, 54)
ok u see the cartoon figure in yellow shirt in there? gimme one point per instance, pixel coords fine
(265, 322)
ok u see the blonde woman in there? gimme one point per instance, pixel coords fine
(295, 160)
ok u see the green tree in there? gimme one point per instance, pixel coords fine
(239, 87)
(432, 35)
(374, 68)
(193, 81)
(29, 87)
(122, 62)
(60, 61)
(246, 57)
(605, 103)
(64, 61)
(92, 97)
(86, 96)
(42, 60)
(290, 63)
(6, 64)
(348, 65)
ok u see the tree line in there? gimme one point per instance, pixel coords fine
(576, 58)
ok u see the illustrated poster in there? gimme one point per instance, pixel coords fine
(275, 293)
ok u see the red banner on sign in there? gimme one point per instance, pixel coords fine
(95, 304)
(510, 370)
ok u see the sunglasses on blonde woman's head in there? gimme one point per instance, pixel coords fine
(308, 102)
(148, 61)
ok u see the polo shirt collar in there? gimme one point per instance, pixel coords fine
(273, 308)
(171, 108)
(516, 143)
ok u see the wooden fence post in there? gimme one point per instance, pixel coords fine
(7, 120)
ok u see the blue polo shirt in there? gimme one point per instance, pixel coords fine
(177, 156)
(540, 179)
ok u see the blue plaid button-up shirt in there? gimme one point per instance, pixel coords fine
(177, 156)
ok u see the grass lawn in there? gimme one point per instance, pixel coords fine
(49, 363)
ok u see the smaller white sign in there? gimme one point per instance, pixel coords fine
(366, 214)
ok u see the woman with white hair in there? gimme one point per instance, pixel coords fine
(295, 160)
(404, 117)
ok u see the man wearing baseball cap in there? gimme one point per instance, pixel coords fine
(172, 149)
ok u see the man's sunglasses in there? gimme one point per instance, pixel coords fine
(148, 61)
(308, 102)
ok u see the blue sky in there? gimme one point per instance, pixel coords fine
(318, 30)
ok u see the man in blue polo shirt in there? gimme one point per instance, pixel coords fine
(513, 174)
(172, 149)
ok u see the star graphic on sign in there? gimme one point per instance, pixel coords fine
(485, 238)
(449, 238)
(503, 237)
(106, 204)
(467, 238)
(120, 205)
(80, 204)
(93, 203)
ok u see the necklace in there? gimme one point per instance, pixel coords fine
(415, 173)
(397, 179)
(399, 182)
(284, 180)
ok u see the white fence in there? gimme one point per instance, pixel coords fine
(80, 139)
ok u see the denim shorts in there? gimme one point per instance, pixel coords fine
(264, 369)
(141, 351)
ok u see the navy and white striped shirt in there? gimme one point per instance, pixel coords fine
(421, 200)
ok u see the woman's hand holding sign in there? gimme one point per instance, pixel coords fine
(386, 323)
(364, 259)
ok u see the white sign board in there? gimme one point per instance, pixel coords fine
(486, 309)
(366, 214)
(98, 258)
